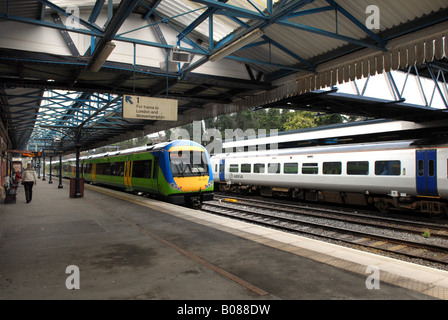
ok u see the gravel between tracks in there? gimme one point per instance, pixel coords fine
(364, 229)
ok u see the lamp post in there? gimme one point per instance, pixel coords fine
(60, 186)
(50, 181)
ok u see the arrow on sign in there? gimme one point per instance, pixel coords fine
(129, 99)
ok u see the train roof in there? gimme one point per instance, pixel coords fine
(352, 132)
(127, 151)
(392, 145)
(153, 147)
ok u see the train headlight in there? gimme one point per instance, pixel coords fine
(174, 186)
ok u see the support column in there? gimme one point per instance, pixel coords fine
(50, 181)
(43, 168)
(78, 183)
(39, 165)
(60, 186)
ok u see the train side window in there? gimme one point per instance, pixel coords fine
(87, 168)
(291, 168)
(98, 168)
(142, 169)
(358, 168)
(117, 169)
(421, 168)
(233, 168)
(388, 168)
(310, 168)
(431, 168)
(103, 168)
(273, 167)
(259, 167)
(332, 168)
(245, 168)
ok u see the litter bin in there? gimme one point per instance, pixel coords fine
(11, 195)
(73, 188)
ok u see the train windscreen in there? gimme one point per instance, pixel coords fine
(188, 163)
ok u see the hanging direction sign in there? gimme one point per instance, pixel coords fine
(49, 152)
(147, 108)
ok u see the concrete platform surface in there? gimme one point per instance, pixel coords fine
(121, 246)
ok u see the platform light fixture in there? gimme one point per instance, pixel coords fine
(238, 44)
(102, 57)
(179, 56)
(171, 66)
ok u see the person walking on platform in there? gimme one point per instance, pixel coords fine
(29, 179)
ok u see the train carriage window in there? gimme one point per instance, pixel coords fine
(233, 168)
(117, 169)
(259, 168)
(431, 168)
(245, 168)
(291, 168)
(332, 168)
(88, 168)
(388, 168)
(358, 168)
(310, 168)
(273, 167)
(98, 168)
(142, 169)
(103, 168)
(421, 168)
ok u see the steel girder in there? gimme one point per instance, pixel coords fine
(279, 14)
(63, 113)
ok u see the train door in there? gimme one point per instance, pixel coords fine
(426, 174)
(128, 174)
(222, 166)
(93, 172)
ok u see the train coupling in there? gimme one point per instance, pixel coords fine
(196, 202)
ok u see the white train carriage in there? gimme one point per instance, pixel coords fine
(399, 175)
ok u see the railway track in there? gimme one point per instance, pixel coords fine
(411, 239)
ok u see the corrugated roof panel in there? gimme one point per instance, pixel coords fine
(393, 13)
(308, 45)
(23, 8)
(186, 12)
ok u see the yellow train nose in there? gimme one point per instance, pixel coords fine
(192, 183)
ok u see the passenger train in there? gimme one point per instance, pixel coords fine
(177, 171)
(403, 175)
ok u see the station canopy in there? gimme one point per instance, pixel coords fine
(66, 65)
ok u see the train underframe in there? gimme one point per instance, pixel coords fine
(191, 199)
(384, 203)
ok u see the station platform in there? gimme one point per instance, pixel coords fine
(131, 247)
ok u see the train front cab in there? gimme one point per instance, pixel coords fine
(190, 174)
